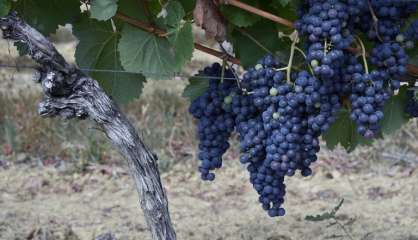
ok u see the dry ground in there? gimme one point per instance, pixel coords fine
(44, 199)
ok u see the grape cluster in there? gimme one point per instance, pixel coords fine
(215, 124)
(280, 117)
(391, 60)
(388, 17)
(278, 120)
(324, 24)
(334, 65)
(367, 101)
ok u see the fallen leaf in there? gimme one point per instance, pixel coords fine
(207, 15)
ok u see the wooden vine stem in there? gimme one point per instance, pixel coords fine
(161, 33)
(258, 12)
(68, 93)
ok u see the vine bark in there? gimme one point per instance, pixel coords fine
(68, 93)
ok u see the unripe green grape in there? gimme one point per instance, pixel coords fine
(228, 100)
(276, 115)
(314, 63)
(273, 91)
(400, 38)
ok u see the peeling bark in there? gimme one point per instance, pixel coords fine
(68, 93)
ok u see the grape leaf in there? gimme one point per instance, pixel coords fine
(256, 41)
(394, 114)
(180, 34)
(146, 53)
(133, 9)
(344, 132)
(182, 40)
(195, 88)
(98, 49)
(5, 6)
(284, 3)
(239, 17)
(188, 5)
(103, 9)
(175, 13)
(46, 15)
(286, 11)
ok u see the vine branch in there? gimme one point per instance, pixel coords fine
(69, 93)
(258, 12)
(161, 33)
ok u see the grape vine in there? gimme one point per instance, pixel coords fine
(279, 112)
(317, 64)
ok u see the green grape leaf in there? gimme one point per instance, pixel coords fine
(394, 114)
(195, 88)
(5, 6)
(344, 132)
(182, 40)
(284, 3)
(256, 41)
(295, 5)
(180, 34)
(188, 5)
(175, 13)
(146, 53)
(133, 9)
(46, 15)
(103, 9)
(98, 49)
(285, 9)
(239, 17)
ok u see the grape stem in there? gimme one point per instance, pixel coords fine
(258, 12)
(304, 55)
(301, 52)
(363, 54)
(229, 66)
(281, 69)
(375, 20)
(295, 39)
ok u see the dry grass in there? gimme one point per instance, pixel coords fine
(161, 116)
(164, 122)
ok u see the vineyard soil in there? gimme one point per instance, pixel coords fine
(376, 206)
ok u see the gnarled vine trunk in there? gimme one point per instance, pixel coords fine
(71, 94)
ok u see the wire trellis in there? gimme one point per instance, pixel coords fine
(157, 75)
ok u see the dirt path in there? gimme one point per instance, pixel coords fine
(376, 207)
